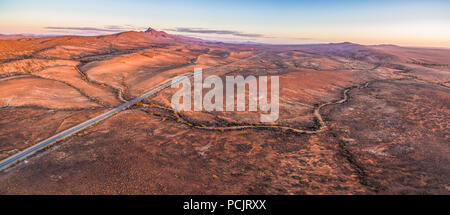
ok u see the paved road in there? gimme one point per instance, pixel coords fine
(64, 134)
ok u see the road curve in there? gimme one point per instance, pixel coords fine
(10, 161)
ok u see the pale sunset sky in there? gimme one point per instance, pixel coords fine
(401, 22)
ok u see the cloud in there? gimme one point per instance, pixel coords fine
(85, 29)
(77, 30)
(123, 27)
(204, 33)
(214, 31)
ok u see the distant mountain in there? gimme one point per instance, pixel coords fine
(23, 36)
(351, 51)
(13, 36)
(194, 39)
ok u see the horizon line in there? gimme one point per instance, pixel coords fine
(247, 41)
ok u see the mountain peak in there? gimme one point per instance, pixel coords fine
(149, 30)
(156, 33)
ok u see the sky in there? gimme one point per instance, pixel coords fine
(400, 22)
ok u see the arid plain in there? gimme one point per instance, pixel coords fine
(354, 119)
